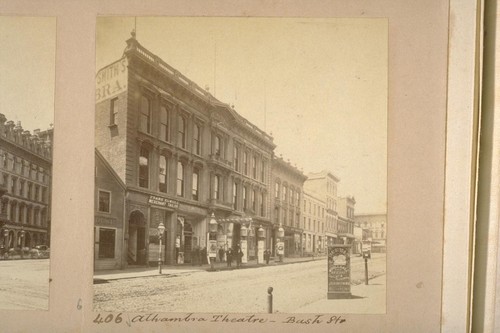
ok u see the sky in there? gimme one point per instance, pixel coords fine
(27, 70)
(319, 86)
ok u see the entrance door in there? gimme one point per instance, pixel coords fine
(236, 235)
(137, 239)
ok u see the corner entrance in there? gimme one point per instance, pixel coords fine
(136, 239)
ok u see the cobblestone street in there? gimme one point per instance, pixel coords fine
(237, 291)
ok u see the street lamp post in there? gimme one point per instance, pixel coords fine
(243, 243)
(260, 245)
(22, 244)
(161, 229)
(280, 244)
(212, 241)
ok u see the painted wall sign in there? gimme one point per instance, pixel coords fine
(111, 80)
(339, 271)
(162, 202)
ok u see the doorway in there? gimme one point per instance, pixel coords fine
(137, 239)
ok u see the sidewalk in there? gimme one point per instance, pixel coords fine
(366, 299)
(136, 272)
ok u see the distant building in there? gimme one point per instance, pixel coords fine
(288, 182)
(313, 221)
(26, 169)
(345, 227)
(324, 184)
(376, 224)
(180, 155)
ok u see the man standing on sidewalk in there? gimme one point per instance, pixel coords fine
(229, 256)
(239, 255)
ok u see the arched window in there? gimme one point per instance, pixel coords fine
(197, 139)
(216, 187)
(181, 133)
(217, 145)
(195, 184)
(244, 198)
(145, 121)
(180, 179)
(164, 117)
(162, 174)
(144, 168)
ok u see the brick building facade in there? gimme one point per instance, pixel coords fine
(181, 155)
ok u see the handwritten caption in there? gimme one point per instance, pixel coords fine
(128, 320)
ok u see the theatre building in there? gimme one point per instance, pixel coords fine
(169, 152)
(25, 183)
(286, 202)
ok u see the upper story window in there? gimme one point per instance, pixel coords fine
(216, 187)
(235, 196)
(245, 163)
(104, 201)
(236, 158)
(21, 188)
(197, 139)
(263, 171)
(292, 196)
(180, 179)
(262, 199)
(145, 121)
(13, 186)
(144, 168)
(285, 193)
(113, 112)
(244, 197)
(162, 174)
(277, 190)
(217, 146)
(254, 167)
(164, 124)
(195, 185)
(253, 199)
(181, 132)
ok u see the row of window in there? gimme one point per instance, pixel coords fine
(22, 167)
(286, 194)
(286, 217)
(314, 209)
(317, 226)
(243, 160)
(331, 188)
(331, 204)
(160, 124)
(23, 213)
(25, 188)
(249, 197)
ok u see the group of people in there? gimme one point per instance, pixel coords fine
(231, 255)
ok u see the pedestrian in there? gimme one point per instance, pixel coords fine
(267, 254)
(239, 255)
(221, 254)
(229, 256)
(204, 255)
(196, 256)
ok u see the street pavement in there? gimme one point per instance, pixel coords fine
(298, 288)
(135, 272)
(24, 284)
(365, 299)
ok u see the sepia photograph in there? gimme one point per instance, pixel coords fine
(240, 165)
(27, 83)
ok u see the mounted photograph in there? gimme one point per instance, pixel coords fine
(27, 83)
(240, 165)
